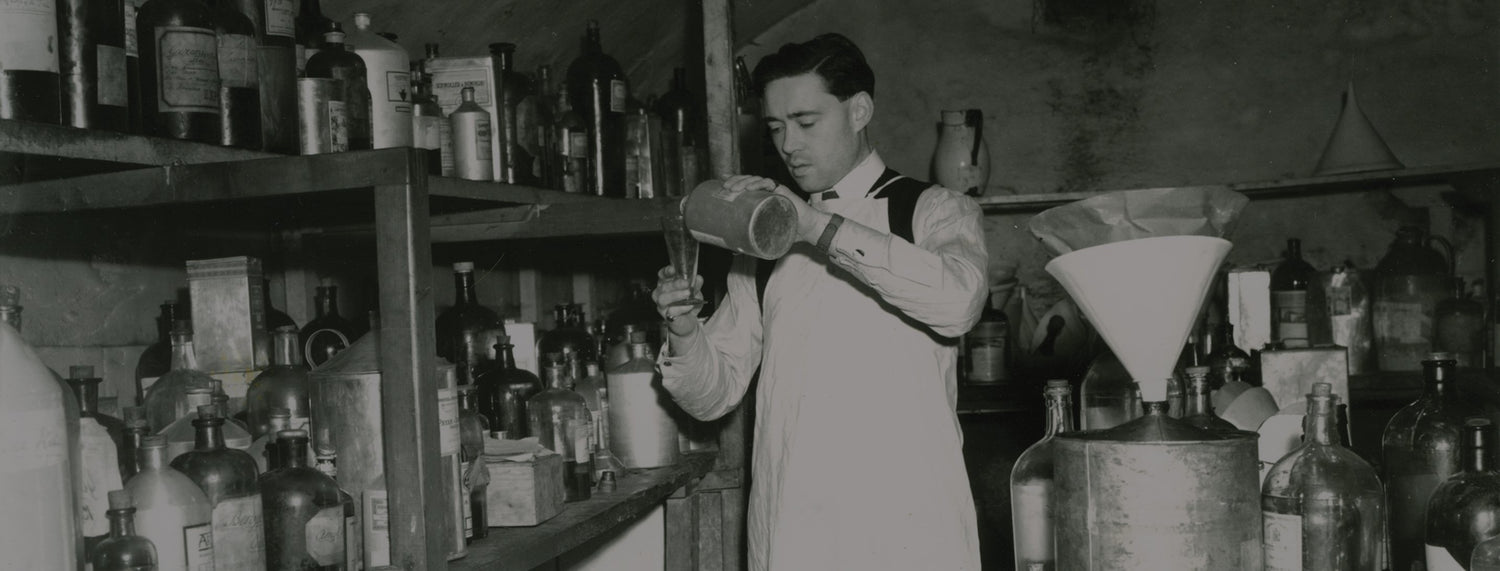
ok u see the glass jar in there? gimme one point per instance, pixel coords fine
(1409, 282)
(560, 420)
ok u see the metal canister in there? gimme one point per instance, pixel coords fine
(1151, 495)
(754, 222)
(322, 124)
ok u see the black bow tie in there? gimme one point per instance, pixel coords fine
(827, 195)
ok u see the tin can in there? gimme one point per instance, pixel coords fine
(322, 124)
(753, 222)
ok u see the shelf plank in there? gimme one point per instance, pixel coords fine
(67, 142)
(596, 217)
(524, 548)
(501, 192)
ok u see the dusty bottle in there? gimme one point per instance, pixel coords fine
(171, 511)
(29, 64)
(227, 478)
(515, 160)
(570, 147)
(426, 121)
(1409, 282)
(642, 431)
(567, 334)
(86, 391)
(471, 131)
(100, 446)
(179, 54)
(472, 430)
(1420, 450)
(1458, 327)
(304, 513)
(560, 420)
(1322, 505)
(37, 485)
(123, 550)
(156, 360)
(328, 332)
(353, 532)
(594, 389)
(466, 330)
(503, 393)
(1465, 509)
(239, 77)
(91, 36)
(1200, 408)
(166, 399)
(136, 431)
(282, 385)
(335, 61)
(1289, 284)
(388, 78)
(599, 92)
(1031, 484)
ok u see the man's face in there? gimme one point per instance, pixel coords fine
(818, 136)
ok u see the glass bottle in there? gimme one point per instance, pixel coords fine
(239, 77)
(515, 160)
(472, 430)
(181, 435)
(263, 450)
(123, 550)
(1225, 358)
(93, 58)
(570, 150)
(136, 431)
(86, 391)
(594, 389)
(568, 334)
(1200, 408)
(1486, 555)
(539, 139)
(1419, 451)
(100, 440)
(682, 141)
(1031, 483)
(166, 399)
(30, 80)
(1289, 283)
(275, 318)
(156, 360)
(311, 25)
(335, 61)
(466, 330)
(426, 120)
(186, 95)
(304, 511)
(504, 392)
(1458, 327)
(1322, 505)
(599, 92)
(354, 550)
(171, 511)
(227, 478)
(1465, 509)
(328, 332)
(560, 420)
(1409, 282)
(471, 133)
(987, 347)
(1110, 397)
(282, 385)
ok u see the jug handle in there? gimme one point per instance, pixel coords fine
(1447, 250)
(975, 117)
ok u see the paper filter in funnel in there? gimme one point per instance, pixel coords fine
(1127, 215)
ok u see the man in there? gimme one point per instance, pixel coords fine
(857, 461)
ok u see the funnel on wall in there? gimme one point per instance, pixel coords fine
(1142, 296)
(1355, 145)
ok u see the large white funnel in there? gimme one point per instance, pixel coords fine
(1143, 296)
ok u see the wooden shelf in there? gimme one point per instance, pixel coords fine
(524, 548)
(41, 139)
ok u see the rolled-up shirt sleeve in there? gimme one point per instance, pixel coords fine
(710, 371)
(940, 280)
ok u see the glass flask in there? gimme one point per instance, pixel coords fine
(1322, 505)
(156, 360)
(1458, 327)
(282, 385)
(1465, 509)
(327, 463)
(504, 391)
(123, 550)
(304, 511)
(228, 478)
(328, 332)
(1200, 408)
(166, 399)
(560, 420)
(466, 330)
(1409, 282)
(171, 511)
(1110, 397)
(473, 427)
(1419, 451)
(1289, 283)
(136, 431)
(515, 90)
(1031, 486)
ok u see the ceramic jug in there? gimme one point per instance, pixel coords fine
(962, 159)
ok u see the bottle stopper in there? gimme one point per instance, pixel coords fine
(208, 412)
(120, 500)
(81, 372)
(463, 267)
(607, 481)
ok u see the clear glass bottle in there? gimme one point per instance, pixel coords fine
(1323, 506)
(1289, 283)
(539, 139)
(181, 435)
(136, 431)
(560, 420)
(227, 478)
(472, 430)
(328, 332)
(171, 511)
(282, 385)
(166, 399)
(1420, 450)
(599, 92)
(304, 511)
(1458, 327)
(467, 329)
(504, 392)
(327, 463)
(156, 360)
(1409, 282)
(1465, 509)
(1200, 408)
(1110, 396)
(123, 550)
(1031, 486)
(335, 61)
(594, 389)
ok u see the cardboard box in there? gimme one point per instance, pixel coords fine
(229, 314)
(524, 493)
(1289, 374)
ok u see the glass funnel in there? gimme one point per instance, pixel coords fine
(682, 248)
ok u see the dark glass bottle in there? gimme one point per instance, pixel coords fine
(282, 385)
(156, 360)
(568, 335)
(304, 511)
(1031, 484)
(570, 146)
(179, 51)
(239, 77)
(1409, 281)
(335, 61)
(987, 347)
(263, 449)
(682, 136)
(275, 318)
(1200, 408)
(1289, 283)
(472, 430)
(600, 92)
(123, 550)
(354, 550)
(1465, 509)
(503, 392)
(311, 25)
(136, 431)
(1225, 359)
(466, 330)
(328, 332)
(560, 420)
(93, 65)
(29, 79)
(228, 478)
(427, 120)
(276, 33)
(1420, 450)
(515, 89)
(542, 122)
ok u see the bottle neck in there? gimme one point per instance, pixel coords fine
(121, 522)
(507, 356)
(1321, 426)
(210, 434)
(1435, 381)
(164, 325)
(1201, 404)
(1059, 414)
(591, 43)
(151, 458)
(555, 377)
(503, 59)
(183, 356)
(640, 351)
(1477, 459)
(328, 304)
(86, 392)
(463, 284)
(292, 452)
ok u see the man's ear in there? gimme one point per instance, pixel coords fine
(861, 110)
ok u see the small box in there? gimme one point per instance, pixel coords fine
(1250, 307)
(450, 75)
(524, 493)
(229, 314)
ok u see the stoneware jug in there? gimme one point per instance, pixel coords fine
(962, 160)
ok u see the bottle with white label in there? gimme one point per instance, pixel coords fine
(1289, 309)
(600, 92)
(1031, 486)
(472, 133)
(92, 40)
(171, 511)
(29, 61)
(239, 77)
(1322, 505)
(388, 76)
(1465, 510)
(304, 511)
(228, 478)
(179, 69)
(354, 559)
(37, 426)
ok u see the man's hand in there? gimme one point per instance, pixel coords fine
(681, 320)
(810, 221)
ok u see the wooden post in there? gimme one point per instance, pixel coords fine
(682, 531)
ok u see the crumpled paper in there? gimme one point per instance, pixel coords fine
(523, 450)
(1131, 214)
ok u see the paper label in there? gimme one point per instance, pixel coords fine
(324, 534)
(28, 35)
(187, 69)
(1290, 313)
(445, 138)
(468, 502)
(1283, 541)
(483, 138)
(239, 537)
(198, 546)
(618, 94)
(1400, 321)
(1031, 509)
(1438, 559)
(578, 145)
(427, 132)
(131, 50)
(111, 76)
(281, 18)
(338, 127)
(101, 473)
(377, 536)
(448, 431)
(237, 62)
(398, 88)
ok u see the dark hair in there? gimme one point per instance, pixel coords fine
(832, 56)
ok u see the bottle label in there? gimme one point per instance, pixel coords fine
(484, 141)
(427, 132)
(448, 86)
(28, 35)
(324, 535)
(198, 547)
(377, 536)
(1283, 541)
(1401, 322)
(131, 7)
(338, 128)
(239, 537)
(468, 506)
(445, 139)
(1031, 509)
(448, 431)
(281, 18)
(354, 550)
(1340, 301)
(111, 72)
(187, 70)
(618, 94)
(1291, 317)
(1438, 559)
(578, 145)
(398, 88)
(987, 356)
(237, 65)
(101, 473)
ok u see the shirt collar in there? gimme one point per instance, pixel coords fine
(860, 181)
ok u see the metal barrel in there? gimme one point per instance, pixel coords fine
(321, 121)
(1157, 505)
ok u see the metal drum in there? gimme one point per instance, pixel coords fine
(1156, 493)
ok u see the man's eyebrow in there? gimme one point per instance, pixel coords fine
(796, 115)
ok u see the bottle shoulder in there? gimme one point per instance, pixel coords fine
(222, 472)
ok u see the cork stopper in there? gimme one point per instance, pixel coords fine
(120, 500)
(463, 267)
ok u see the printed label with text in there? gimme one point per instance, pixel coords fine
(187, 69)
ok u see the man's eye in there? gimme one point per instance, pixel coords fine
(775, 129)
(806, 124)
